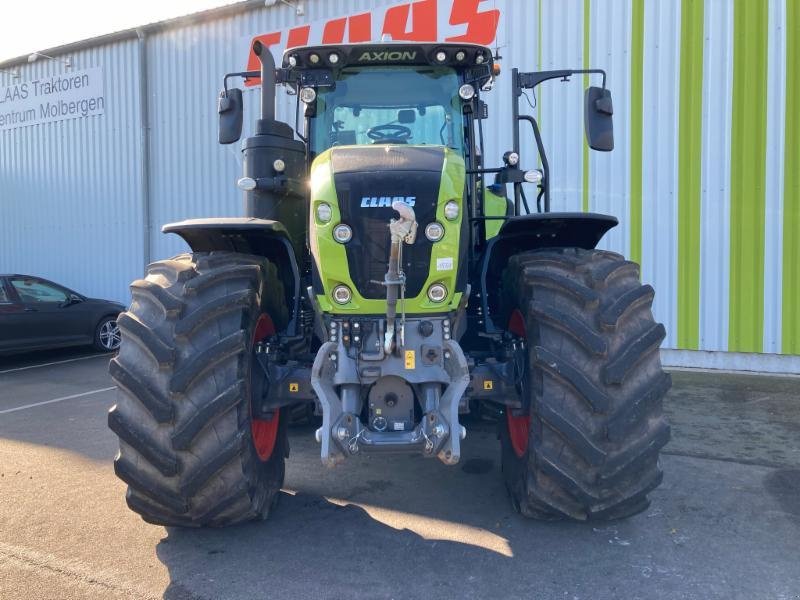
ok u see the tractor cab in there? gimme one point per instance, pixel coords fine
(417, 95)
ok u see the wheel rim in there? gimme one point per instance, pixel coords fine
(518, 426)
(264, 431)
(110, 336)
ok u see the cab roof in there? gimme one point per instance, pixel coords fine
(337, 56)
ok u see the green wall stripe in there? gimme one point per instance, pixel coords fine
(748, 176)
(586, 58)
(637, 83)
(790, 331)
(690, 138)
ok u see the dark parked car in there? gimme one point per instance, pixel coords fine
(36, 313)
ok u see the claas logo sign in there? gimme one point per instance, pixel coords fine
(468, 21)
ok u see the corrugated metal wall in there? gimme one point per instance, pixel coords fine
(713, 234)
(70, 195)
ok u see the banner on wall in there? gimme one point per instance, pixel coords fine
(465, 21)
(57, 97)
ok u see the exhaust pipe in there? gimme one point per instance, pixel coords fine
(402, 230)
(267, 80)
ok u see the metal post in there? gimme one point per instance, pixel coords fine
(144, 125)
(515, 94)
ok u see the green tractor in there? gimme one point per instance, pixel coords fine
(381, 277)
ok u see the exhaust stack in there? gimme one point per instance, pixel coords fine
(267, 80)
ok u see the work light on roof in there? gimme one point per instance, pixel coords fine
(441, 56)
(308, 95)
(466, 92)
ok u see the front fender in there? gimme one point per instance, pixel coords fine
(532, 232)
(247, 235)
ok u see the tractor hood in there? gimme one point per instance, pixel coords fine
(361, 183)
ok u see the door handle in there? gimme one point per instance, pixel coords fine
(31, 310)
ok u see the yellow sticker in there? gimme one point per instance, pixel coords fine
(488, 384)
(294, 387)
(410, 359)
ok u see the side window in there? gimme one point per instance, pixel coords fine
(4, 299)
(33, 290)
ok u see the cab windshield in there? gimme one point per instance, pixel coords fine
(389, 105)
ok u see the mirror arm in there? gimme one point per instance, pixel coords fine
(243, 74)
(528, 81)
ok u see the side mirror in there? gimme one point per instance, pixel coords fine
(598, 120)
(71, 299)
(231, 111)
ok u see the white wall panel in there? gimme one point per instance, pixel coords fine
(660, 161)
(716, 175)
(776, 130)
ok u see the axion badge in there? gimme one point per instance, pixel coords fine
(388, 55)
(386, 201)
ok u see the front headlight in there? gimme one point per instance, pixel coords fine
(324, 212)
(451, 210)
(437, 293)
(342, 294)
(342, 233)
(434, 231)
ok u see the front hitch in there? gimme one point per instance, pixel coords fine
(401, 230)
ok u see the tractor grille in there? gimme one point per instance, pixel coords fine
(367, 179)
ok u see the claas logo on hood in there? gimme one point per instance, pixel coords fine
(386, 201)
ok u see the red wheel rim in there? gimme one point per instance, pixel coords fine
(518, 427)
(264, 431)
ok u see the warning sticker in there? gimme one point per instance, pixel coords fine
(410, 359)
(294, 387)
(444, 264)
(488, 384)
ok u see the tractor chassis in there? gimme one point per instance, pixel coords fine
(350, 363)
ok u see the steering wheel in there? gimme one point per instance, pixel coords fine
(389, 131)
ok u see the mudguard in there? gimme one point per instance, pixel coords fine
(247, 235)
(532, 232)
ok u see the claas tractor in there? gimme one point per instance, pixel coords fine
(388, 277)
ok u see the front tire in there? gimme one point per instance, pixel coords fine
(190, 450)
(586, 446)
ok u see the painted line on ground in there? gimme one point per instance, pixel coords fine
(50, 364)
(72, 397)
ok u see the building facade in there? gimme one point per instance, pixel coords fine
(705, 179)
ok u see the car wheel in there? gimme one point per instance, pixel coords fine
(107, 336)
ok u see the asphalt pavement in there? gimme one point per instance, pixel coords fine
(724, 524)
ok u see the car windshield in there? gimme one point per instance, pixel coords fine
(380, 105)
